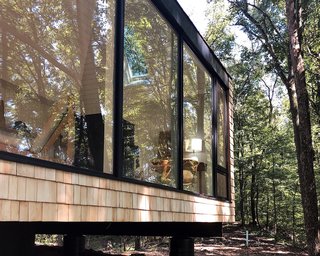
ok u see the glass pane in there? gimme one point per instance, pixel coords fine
(150, 95)
(221, 127)
(221, 185)
(197, 125)
(56, 66)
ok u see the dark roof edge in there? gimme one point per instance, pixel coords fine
(181, 21)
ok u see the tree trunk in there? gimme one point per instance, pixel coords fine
(241, 203)
(200, 107)
(257, 206)
(299, 108)
(294, 216)
(275, 212)
(302, 128)
(3, 75)
(252, 199)
(89, 84)
(267, 212)
(137, 243)
(241, 179)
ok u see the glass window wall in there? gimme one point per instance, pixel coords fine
(222, 177)
(56, 68)
(149, 95)
(197, 125)
(56, 93)
(221, 127)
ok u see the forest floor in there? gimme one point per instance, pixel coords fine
(232, 243)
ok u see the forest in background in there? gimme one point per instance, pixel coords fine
(264, 73)
(268, 138)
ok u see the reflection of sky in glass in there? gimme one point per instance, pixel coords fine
(9, 113)
(24, 144)
(190, 109)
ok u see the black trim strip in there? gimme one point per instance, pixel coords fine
(180, 113)
(227, 141)
(214, 135)
(118, 90)
(183, 25)
(181, 229)
(225, 171)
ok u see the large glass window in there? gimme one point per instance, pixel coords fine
(56, 67)
(222, 177)
(197, 125)
(221, 127)
(56, 93)
(150, 95)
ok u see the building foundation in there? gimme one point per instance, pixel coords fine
(16, 242)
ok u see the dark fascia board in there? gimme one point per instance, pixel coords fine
(182, 23)
(177, 229)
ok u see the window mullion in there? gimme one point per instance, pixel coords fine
(118, 89)
(180, 112)
(214, 136)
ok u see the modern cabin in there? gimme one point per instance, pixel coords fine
(115, 118)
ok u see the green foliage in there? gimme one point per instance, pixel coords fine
(219, 36)
(47, 239)
(311, 29)
(267, 183)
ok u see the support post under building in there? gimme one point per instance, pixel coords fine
(181, 246)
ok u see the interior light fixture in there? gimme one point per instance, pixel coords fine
(193, 145)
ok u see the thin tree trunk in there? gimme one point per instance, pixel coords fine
(252, 200)
(241, 185)
(294, 216)
(275, 212)
(3, 75)
(241, 181)
(267, 217)
(137, 243)
(257, 206)
(200, 107)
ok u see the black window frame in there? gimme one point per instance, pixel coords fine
(182, 25)
(183, 38)
(218, 168)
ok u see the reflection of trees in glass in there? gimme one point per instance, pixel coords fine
(197, 119)
(49, 51)
(221, 145)
(149, 100)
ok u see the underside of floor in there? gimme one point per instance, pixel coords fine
(18, 238)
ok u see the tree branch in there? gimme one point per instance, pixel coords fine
(27, 40)
(265, 41)
(264, 14)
